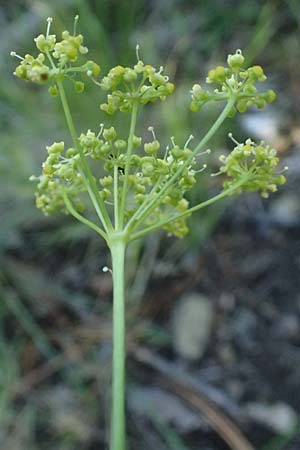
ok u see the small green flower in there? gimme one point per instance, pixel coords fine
(67, 51)
(33, 69)
(141, 84)
(233, 82)
(255, 166)
(69, 48)
(45, 43)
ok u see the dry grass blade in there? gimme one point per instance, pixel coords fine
(171, 381)
(218, 421)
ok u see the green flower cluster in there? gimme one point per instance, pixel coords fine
(148, 174)
(42, 69)
(61, 175)
(254, 165)
(141, 84)
(33, 69)
(233, 82)
(151, 173)
(134, 181)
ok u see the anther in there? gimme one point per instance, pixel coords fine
(151, 129)
(205, 152)
(49, 21)
(173, 141)
(230, 135)
(101, 125)
(166, 152)
(90, 75)
(76, 18)
(106, 269)
(17, 56)
(137, 48)
(190, 138)
(202, 169)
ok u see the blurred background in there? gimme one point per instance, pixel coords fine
(214, 319)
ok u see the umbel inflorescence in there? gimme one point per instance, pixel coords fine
(135, 184)
(140, 185)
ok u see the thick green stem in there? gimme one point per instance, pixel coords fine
(117, 248)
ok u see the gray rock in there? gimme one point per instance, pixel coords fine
(191, 325)
(261, 125)
(278, 417)
(285, 209)
(164, 407)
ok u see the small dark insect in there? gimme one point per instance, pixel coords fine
(120, 169)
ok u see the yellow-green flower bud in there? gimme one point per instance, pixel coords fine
(120, 145)
(129, 75)
(71, 152)
(45, 44)
(217, 75)
(139, 198)
(105, 194)
(53, 91)
(92, 68)
(109, 134)
(236, 61)
(152, 147)
(182, 205)
(56, 148)
(197, 92)
(257, 73)
(147, 169)
(106, 181)
(270, 96)
(79, 87)
(170, 88)
(137, 141)
(80, 207)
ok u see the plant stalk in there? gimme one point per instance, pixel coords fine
(118, 440)
(128, 162)
(89, 179)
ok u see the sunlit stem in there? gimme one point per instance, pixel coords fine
(117, 247)
(81, 218)
(128, 162)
